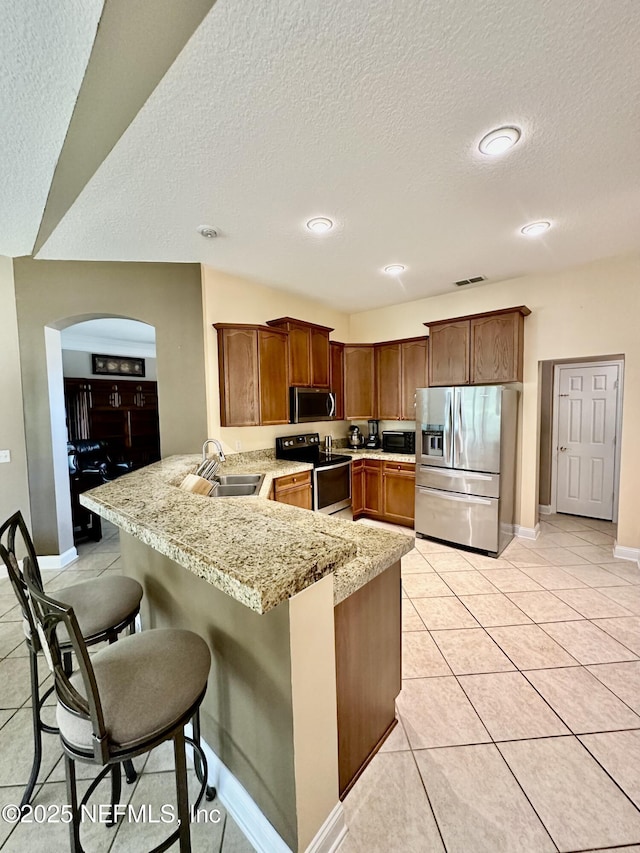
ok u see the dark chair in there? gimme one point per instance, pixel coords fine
(90, 465)
(104, 607)
(124, 701)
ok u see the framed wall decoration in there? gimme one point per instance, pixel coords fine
(117, 365)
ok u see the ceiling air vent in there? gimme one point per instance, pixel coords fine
(474, 280)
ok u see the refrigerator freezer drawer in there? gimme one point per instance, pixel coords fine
(452, 480)
(461, 519)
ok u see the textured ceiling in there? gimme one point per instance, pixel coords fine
(370, 113)
(44, 49)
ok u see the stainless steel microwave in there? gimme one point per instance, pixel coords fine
(398, 441)
(307, 405)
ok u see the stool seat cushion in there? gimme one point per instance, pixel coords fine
(99, 604)
(146, 683)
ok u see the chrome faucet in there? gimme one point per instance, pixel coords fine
(218, 447)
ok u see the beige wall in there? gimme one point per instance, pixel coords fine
(14, 490)
(228, 299)
(57, 293)
(580, 312)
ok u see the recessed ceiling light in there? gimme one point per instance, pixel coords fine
(207, 231)
(499, 141)
(533, 229)
(394, 269)
(320, 225)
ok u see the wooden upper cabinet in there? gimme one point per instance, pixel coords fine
(479, 349)
(254, 377)
(238, 370)
(497, 348)
(414, 374)
(336, 376)
(388, 367)
(359, 373)
(274, 376)
(449, 353)
(308, 351)
(320, 368)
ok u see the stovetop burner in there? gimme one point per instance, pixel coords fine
(306, 448)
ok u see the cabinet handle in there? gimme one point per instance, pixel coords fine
(295, 480)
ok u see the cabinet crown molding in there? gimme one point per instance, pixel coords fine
(258, 327)
(520, 309)
(283, 321)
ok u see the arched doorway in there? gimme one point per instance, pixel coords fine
(101, 373)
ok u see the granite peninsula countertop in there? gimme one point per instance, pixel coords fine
(257, 551)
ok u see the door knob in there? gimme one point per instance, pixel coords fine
(563, 448)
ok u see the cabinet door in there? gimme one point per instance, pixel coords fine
(414, 375)
(274, 377)
(238, 367)
(319, 358)
(294, 489)
(496, 348)
(357, 488)
(359, 372)
(388, 381)
(449, 353)
(300, 496)
(399, 493)
(372, 486)
(299, 355)
(336, 377)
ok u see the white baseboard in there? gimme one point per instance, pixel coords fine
(252, 821)
(58, 561)
(331, 834)
(545, 510)
(624, 553)
(527, 532)
(55, 561)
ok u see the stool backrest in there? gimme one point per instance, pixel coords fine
(14, 539)
(47, 614)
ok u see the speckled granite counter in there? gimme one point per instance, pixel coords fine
(380, 454)
(257, 551)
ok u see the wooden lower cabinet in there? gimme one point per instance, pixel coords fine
(368, 671)
(398, 492)
(372, 488)
(383, 490)
(357, 487)
(294, 489)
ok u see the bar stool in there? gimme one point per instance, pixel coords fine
(123, 701)
(104, 607)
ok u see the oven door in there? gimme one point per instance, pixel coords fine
(332, 487)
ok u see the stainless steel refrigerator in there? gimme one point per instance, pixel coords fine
(465, 465)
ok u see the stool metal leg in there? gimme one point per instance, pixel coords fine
(182, 792)
(72, 798)
(37, 730)
(199, 761)
(116, 790)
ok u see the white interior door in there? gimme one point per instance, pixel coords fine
(586, 447)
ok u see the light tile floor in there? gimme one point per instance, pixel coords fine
(519, 726)
(518, 717)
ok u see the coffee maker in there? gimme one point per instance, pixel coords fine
(373, 439)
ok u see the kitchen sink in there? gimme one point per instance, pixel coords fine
(237, 485)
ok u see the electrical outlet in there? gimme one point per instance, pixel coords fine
(5, 456)
(238, 445)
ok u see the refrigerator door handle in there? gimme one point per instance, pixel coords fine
(447, 496)
(457, 432)
(447, 450)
